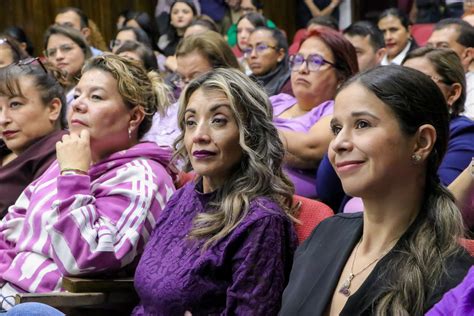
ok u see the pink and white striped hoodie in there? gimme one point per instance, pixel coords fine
(81, 225)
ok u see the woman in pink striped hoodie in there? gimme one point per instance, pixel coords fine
(92, 211)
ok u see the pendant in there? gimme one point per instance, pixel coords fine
(344, 290)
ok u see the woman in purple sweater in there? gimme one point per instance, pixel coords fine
(93, 209)
(224, 244)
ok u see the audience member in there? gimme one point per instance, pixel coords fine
(427, 11)
(368, 42)
(182, 13)
(245, 26)
(162, 13)
(396, 28)
(246, 7)
(195, 55)
(230, 229)
(142, 20)
(324, 20)
(402, 254)
(139, 52)
(31, 114)
(445, 68)
(267, 56)
(201, 24)
(78, 20)
(66, 49)
(459, 36)
(93, 209)
(324, 61)
(307, 9)
(19, 34)
(129, 33)
(10, 51)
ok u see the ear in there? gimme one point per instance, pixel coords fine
(425, 139)
(467, 56)
(281, 54)
(54, 109)
(137, 114)
(86, 32)
(454, 93)
(379, 54)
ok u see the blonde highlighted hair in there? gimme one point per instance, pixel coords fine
(260, 170)
(135, 85)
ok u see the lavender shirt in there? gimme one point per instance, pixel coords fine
(243, 274)
(303, 179)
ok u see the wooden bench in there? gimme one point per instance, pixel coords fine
(89, 297)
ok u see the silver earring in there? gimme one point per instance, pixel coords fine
(416, 158)
(130, 133)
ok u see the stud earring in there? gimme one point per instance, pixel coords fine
(416, 158)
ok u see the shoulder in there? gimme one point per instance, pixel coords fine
(282, 99)
(461, 124)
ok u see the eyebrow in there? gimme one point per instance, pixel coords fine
(212, 109)
(357, 114)
(364, 113)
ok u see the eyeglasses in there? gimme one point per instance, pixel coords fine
(313, 62)
(260, 48)
(31, 60)
(64, 49)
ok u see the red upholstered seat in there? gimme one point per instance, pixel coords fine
(311, 213)
(422, 32)
(468, 244)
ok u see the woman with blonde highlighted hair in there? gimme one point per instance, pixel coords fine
(93, 209)
(230, 229)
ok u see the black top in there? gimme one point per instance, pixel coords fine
(319, 262)
(20, 172)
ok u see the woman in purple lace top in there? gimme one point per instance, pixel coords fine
(224, 244)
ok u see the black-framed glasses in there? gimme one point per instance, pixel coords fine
(313, 62)
(65, 48)
(31, 60)
(259, 48)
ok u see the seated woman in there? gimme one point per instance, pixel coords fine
(31, 122)
(324, 61)
(224, 243)
(445, 69)
(138, 52)
(10, 51)
(245, 25)
(66, 49)
(267, 56)
(402, 254)
(396, 27)
(195, 55)
(93, 209)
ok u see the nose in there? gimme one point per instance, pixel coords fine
(341, 142)
(4, 118)
(201, 134)
(59, 55)
(78, 105)
(303, 67)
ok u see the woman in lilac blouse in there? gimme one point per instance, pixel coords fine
(325, 59)
(224, 244)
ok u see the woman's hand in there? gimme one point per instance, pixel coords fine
(74, 151)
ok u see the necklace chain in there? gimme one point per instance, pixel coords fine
(344, 290)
